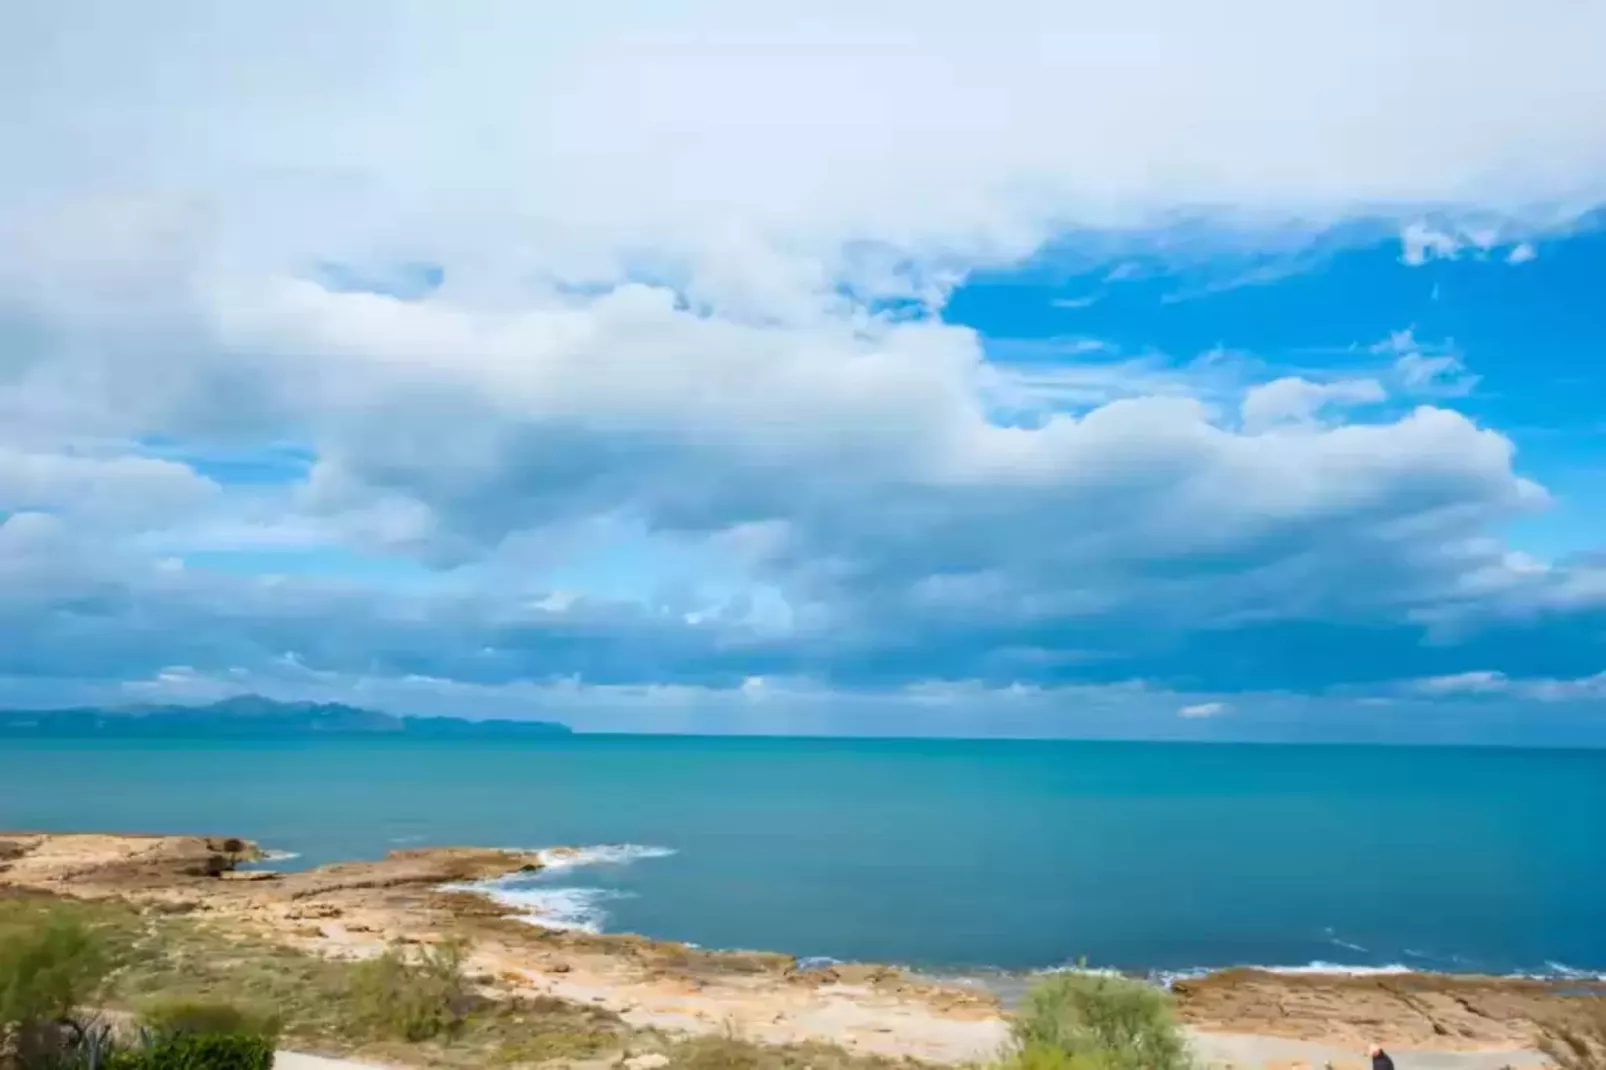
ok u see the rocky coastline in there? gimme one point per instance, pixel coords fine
(357, 909)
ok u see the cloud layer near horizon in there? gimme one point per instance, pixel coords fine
(515, 351)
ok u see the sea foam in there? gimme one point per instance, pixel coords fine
(576, 909)
(570, 909)
(606, 854)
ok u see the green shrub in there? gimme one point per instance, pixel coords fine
(198, 1051)
(47, 972)
(176, 1016)
(1040, 1057)
(1082, 1021)
(414, 997)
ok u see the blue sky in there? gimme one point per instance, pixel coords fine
(1037, 370)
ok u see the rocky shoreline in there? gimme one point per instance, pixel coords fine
(357, 909)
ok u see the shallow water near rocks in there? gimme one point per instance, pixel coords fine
(953, 856)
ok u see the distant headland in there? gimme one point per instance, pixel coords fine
(256, 717)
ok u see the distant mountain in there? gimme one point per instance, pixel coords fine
(258, 717)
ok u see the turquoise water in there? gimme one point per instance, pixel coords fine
(945, 854)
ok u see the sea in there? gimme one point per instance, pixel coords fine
(961, 858)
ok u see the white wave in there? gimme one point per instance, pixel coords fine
(807, 963)
(1167, 978)
(571, 909)
(1346, 945)
(280, 856)
(1553, 971)
(605, 854)
(1339, 968)
(1011, 984)
(555, 906)
(1091, 971)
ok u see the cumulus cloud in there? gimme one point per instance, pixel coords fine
(1204, 709)
(526, 291)
(123, 490)
(708, 131)
(1300, 401)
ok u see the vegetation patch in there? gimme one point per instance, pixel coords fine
(1090, 1021)
(1579, 1043)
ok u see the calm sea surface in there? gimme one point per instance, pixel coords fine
(946, 855)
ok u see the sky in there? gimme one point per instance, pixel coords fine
(1142, 370)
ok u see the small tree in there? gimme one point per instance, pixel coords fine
(48, 971)
(1097, 1022)
(46, 974)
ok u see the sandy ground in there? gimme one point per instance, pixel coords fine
(289, 1060)
(1252, 1050)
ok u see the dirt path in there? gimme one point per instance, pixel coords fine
(1278, 1053)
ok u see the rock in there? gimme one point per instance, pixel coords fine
(651, 1061)
(315, 910)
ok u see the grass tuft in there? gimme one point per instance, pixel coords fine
(1579, 1044)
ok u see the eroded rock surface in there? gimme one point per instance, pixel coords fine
(359, 908)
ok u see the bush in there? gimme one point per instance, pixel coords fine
(45, 973)
(1081, 1021)
(180, 1017)
(198, 1051)
(1040, 1057)
(414, 997)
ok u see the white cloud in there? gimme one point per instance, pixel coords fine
(1421, 242)
(1541, 689)
(661, 235)
(1424, 369)
(1299, 401)
(1204, 709)
(892, 509)
(1476, 682)
(737, 137)
(120, 490)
